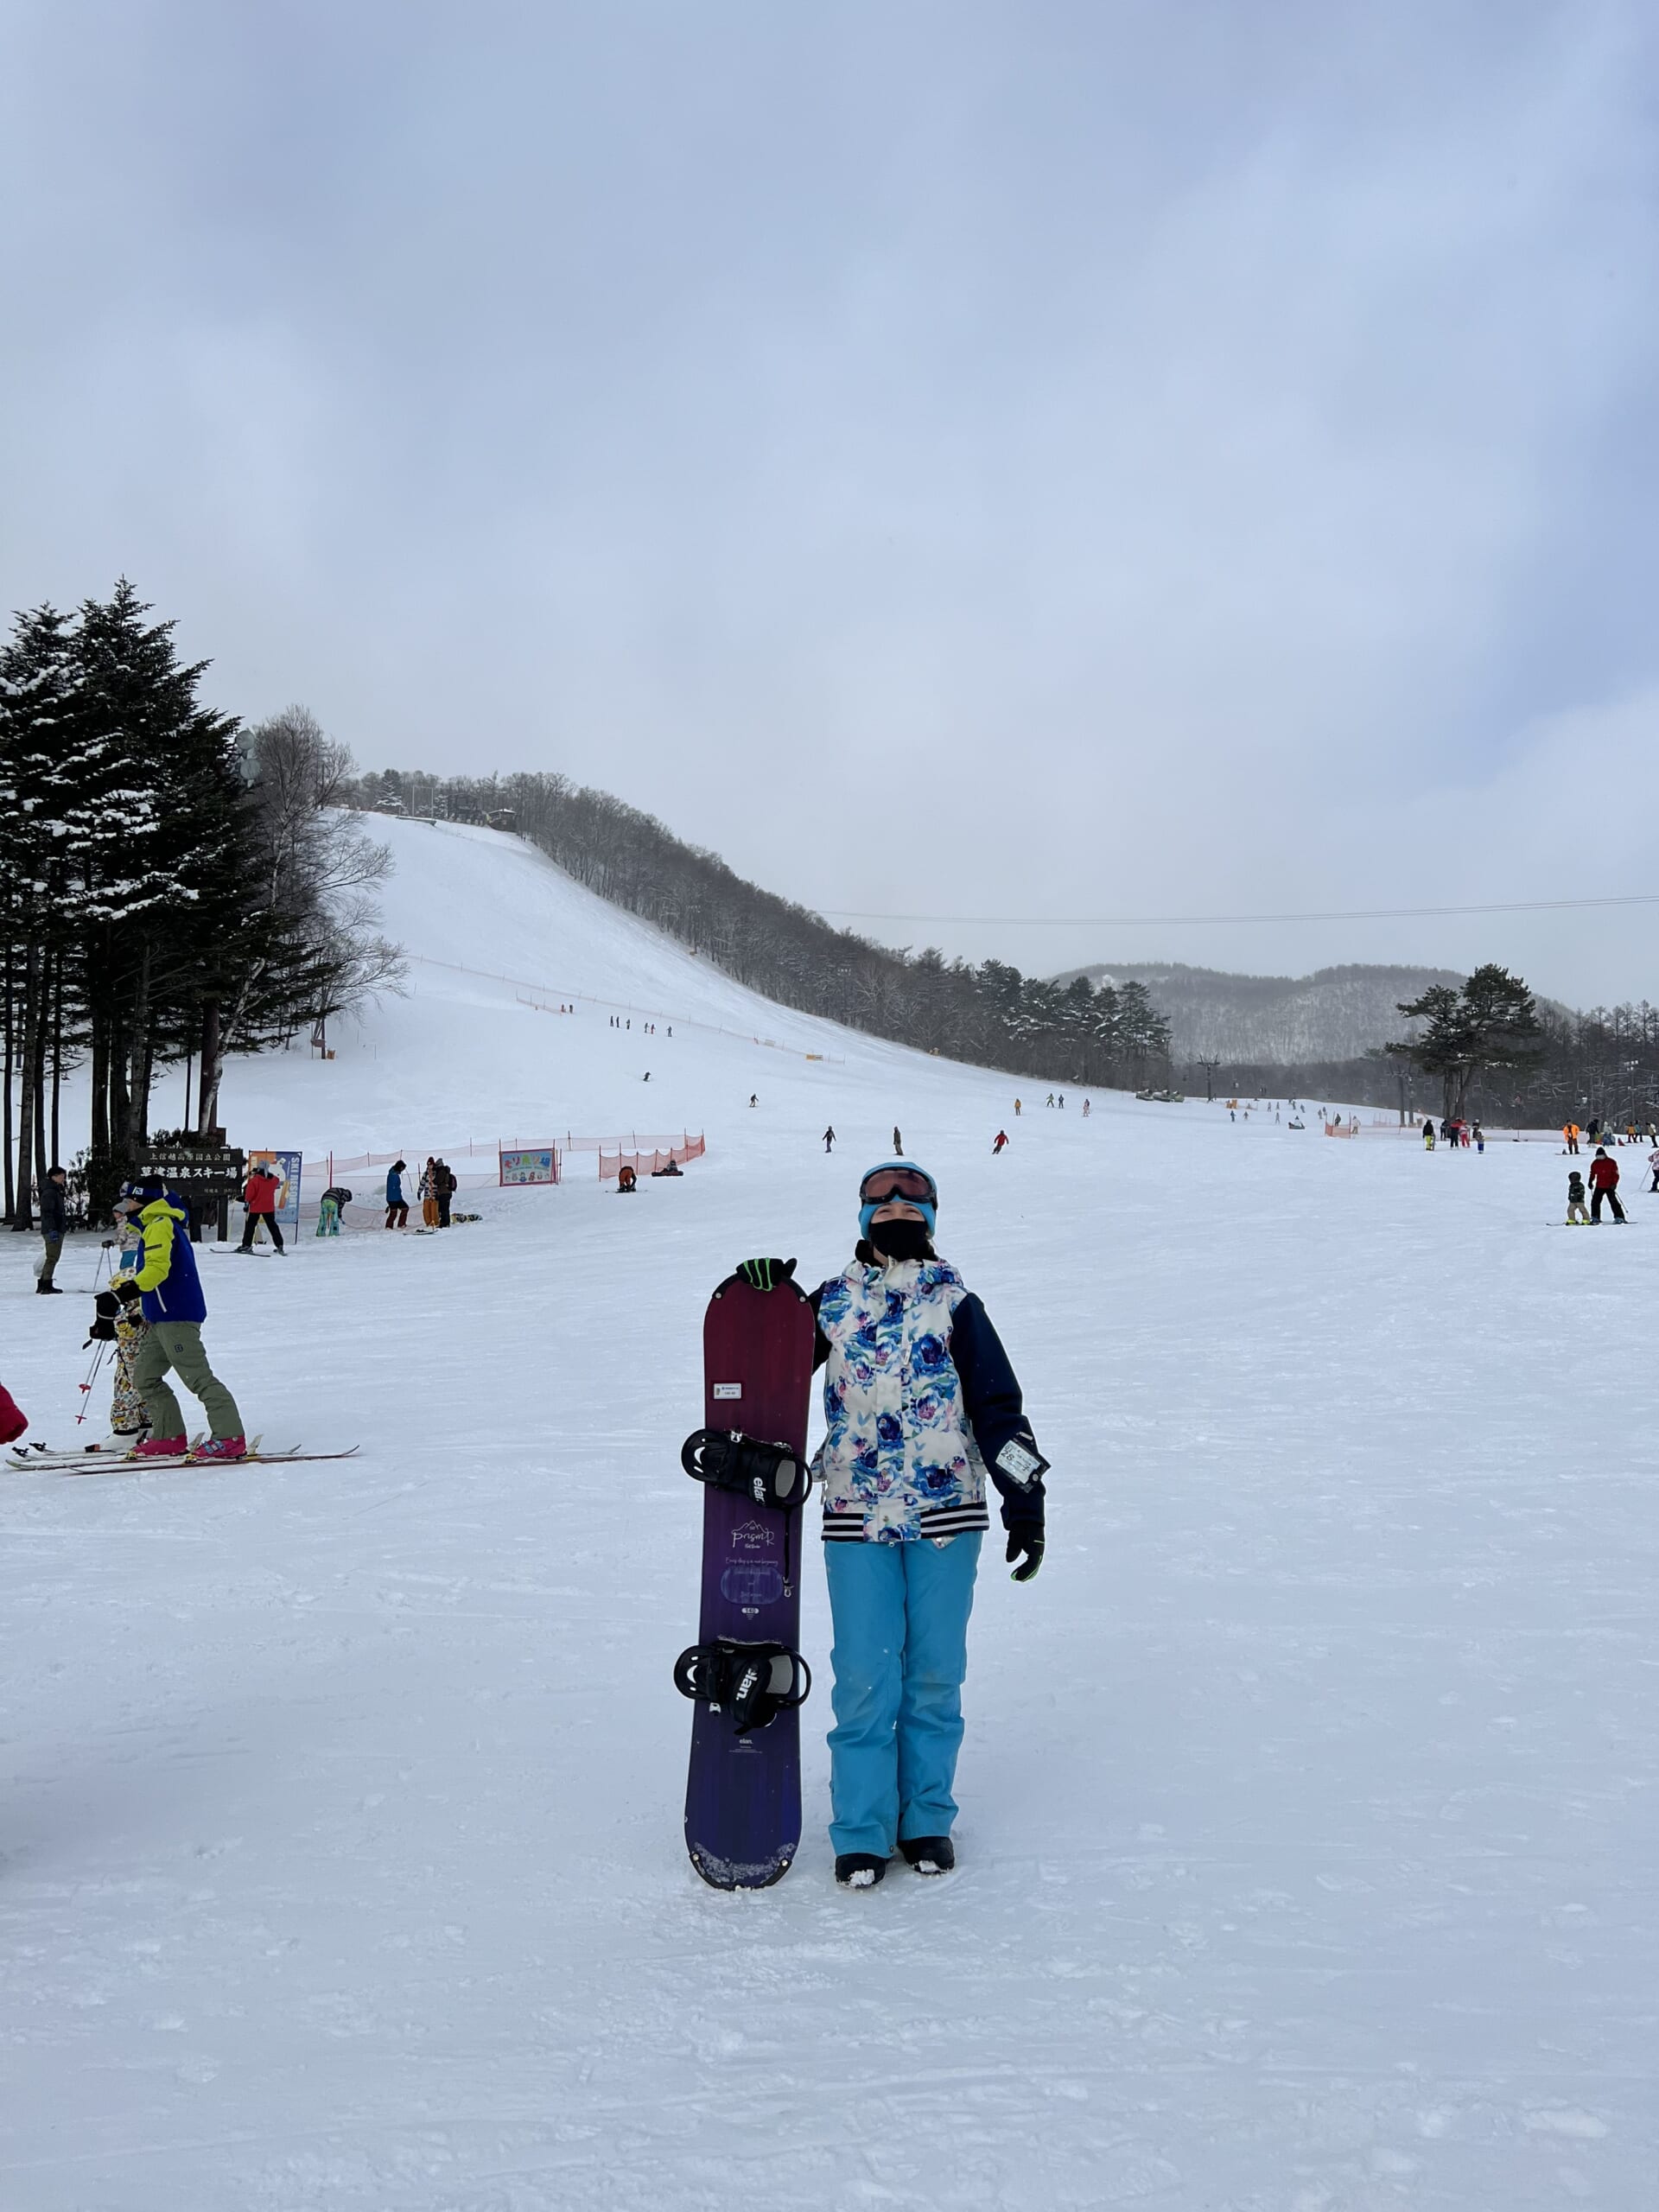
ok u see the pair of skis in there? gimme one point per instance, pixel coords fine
(744, 1673)
(109, 1459)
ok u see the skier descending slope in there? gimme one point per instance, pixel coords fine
(921, 1404)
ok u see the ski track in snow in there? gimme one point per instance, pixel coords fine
(1308, 1797)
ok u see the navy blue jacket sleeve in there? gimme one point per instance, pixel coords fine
(996, 1409)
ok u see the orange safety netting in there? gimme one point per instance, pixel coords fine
(610, 1164)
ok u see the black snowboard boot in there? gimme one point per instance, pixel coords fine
(929, 1854)
(859, 1869)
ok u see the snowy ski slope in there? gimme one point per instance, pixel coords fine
(1309, 1795)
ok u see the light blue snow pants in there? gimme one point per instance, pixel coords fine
(900, 1614)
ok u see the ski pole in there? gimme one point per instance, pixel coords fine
(91, 1377)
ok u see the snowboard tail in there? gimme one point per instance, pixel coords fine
(743, 1793)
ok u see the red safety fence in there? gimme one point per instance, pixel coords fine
(478, 1164)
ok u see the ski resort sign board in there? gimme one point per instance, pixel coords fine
(529, 1164)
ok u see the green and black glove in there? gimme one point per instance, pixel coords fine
(766, 1274)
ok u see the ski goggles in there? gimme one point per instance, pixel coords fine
(911, 1185)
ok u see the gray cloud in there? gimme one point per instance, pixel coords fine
(1072, 460)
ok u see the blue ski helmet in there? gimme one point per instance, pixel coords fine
(924, 1195)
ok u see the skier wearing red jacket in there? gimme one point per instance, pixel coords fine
(263, 1187)
(1604, 1184)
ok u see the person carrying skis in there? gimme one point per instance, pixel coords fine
(999, 1143)
(1604, 1184)
(168, 1289)
(260, 1198)
(55, 1226)
(829, 1139)
(922, 1406)
(1576, 1209)
(397, 1205)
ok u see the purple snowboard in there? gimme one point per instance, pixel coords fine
(743, 1799)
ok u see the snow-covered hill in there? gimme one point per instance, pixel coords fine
(1308, 1794)
(498, 938)
(1336, 1014)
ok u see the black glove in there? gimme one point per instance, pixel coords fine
(128, 1290)
(1022, 1516)
(766, 1274)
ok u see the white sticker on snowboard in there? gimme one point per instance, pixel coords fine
(728, 1389)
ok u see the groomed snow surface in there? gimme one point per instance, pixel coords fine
(1308, 1836)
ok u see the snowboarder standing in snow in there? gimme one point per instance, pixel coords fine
(922, 1405)
(168, 1290)
(829, 1139)
(1604, 1184)
(55, 1226)
(897, 1141)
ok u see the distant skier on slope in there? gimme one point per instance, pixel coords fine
(1576, 1209)
(903, 1515)
(1604, 1184)
(999, 1142)
(1653, 1162)
(829, 1139)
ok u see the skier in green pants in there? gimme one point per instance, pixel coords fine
(170, 1290)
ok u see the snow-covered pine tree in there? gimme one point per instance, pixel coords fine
(39, 688)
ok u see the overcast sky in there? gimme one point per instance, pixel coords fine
(1135, 457)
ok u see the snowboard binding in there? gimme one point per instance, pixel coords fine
(768, 1474)
(755, 1682)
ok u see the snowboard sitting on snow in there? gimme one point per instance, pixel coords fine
(743, 1796)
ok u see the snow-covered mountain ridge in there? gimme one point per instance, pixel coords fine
(1336, 1013)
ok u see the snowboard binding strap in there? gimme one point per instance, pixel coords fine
(755, 1682)
(767, 1474)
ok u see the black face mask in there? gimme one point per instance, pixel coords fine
(900, 1240)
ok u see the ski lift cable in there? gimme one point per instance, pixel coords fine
(1174, 921)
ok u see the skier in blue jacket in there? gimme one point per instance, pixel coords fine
(170, 1291)
(922, 1406)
